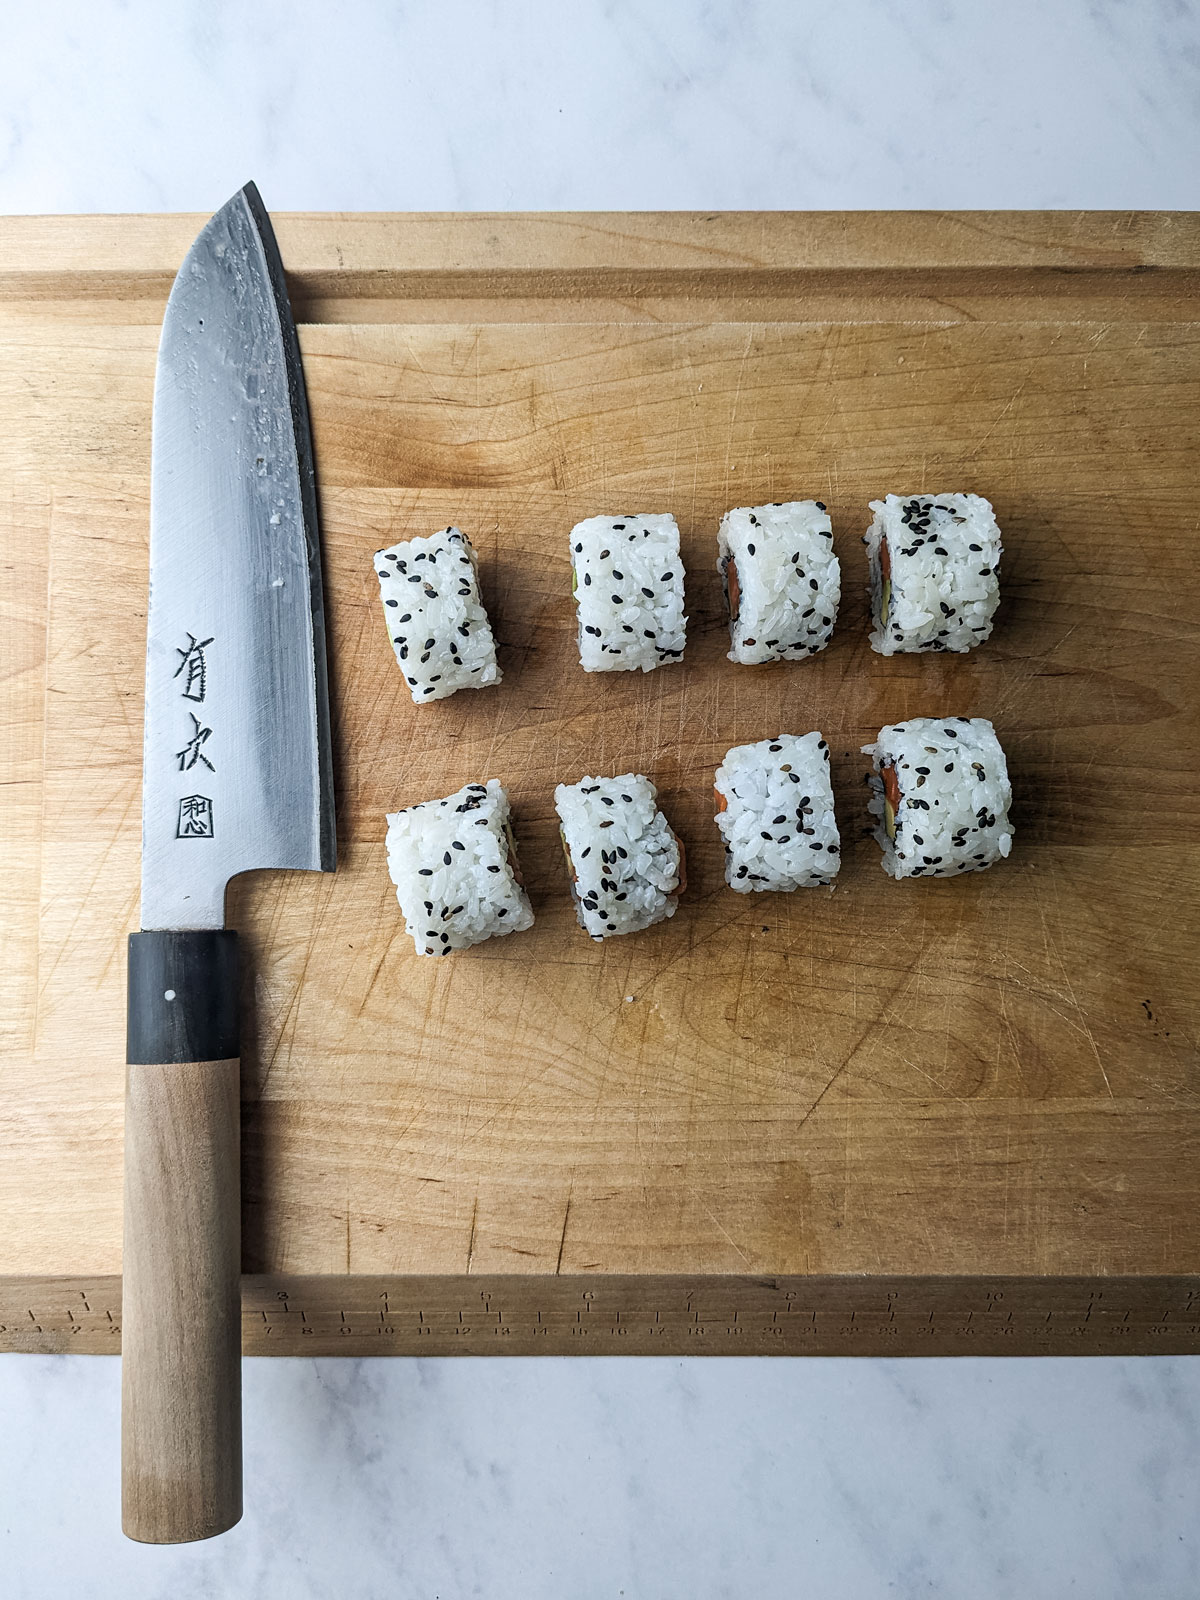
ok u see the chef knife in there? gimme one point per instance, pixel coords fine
(236, 775)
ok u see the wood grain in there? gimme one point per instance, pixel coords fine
(181, 1372)
(988, 1077)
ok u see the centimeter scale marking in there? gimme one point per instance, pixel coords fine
(587, 1315)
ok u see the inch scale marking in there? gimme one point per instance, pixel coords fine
(591, 1315)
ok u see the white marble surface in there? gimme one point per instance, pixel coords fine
(655, 1479)
(599, 1478)
(131, 105)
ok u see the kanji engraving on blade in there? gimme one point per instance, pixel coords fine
(193, 749)
(193, 667)
(195, 817)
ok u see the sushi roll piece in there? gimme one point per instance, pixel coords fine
(775, 812)
(626, 866)
(435, 618)
(941, 797)
(628, 586)
(454, 864)
(934, 565)
(782, 580)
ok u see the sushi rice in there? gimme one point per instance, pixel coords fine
(775, 812)
(436, 620)
(626, 865)
(454, 864)
(941, 797)
(782, 580)
(934, 564)
(628, 584)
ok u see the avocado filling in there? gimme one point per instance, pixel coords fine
(885, 574)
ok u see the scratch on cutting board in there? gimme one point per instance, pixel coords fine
(878, 1022)
(717, 1223)
(562, 1243)
(1083, 1024)
(471, 1240)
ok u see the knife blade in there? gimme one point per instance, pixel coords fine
(237, 775)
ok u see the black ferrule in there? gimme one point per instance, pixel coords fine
(183, 996)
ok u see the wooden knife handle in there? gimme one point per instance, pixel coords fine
(181, 1388)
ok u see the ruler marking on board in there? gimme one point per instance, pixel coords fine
(410, 1315)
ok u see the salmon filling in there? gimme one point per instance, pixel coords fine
(885, 573)
(891, 798)
(732, 590)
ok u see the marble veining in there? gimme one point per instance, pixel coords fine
(652, 1478)
(605, 104)
(601, 1478)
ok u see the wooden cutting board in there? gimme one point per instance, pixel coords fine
(931, 1115)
